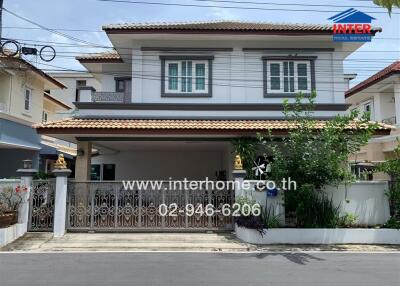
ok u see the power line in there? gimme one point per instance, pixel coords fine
(55, 29)
(287, 4)
(48, 29)
(231, 7)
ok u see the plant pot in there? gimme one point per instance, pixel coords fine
(6, 220)
(14, 217)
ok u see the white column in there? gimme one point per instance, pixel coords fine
(137, 73)
(377, 115)
(238, 176)
(60, 203)
(26, 174)
(397, 102)
(85, 93)
(83, 161)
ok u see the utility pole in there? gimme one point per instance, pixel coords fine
(1, 20)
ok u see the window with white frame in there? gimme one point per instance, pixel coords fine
(45, 116)
(186, 76)
(288, 76)
(367, 108)
(28, 100)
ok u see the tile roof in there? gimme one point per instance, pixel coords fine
(213, 26)
(100, 57)
(20, 63)
(177, 124)
(394, 68)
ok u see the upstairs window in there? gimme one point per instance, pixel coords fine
(186, 77)
(288, 77)
(44, 116)
(368, 109)
(28, 100)
(119, 85)
(80, 83)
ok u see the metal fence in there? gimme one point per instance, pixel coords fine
(107, 206)
(41, 205)
(108, 97)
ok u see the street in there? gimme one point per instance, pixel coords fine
(152, 268)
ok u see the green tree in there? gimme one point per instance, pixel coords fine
(315, 154)
(392, 168)
(388, 4)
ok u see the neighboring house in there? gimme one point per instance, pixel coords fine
(379, 95)
(348, 77)
(73, 81)
(23, 103)
(172, 96)
(54, 109)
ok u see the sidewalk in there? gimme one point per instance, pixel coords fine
(190, 242)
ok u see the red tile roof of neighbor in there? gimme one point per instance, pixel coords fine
(82, 124)
(109, 57)
(23, 64)
(394, 68)
(224, 26)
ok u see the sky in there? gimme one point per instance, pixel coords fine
(90, 15)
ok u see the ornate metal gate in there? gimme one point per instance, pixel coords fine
(41, 210)
(107, 206)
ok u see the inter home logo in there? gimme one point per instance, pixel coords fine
(352, 26)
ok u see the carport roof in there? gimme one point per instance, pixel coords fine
(85, 125)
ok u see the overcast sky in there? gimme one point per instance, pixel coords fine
(92, 14)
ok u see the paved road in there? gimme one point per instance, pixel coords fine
(193, 269)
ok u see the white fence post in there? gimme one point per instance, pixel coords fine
(26, 174)
(60, 203)
(238, 176)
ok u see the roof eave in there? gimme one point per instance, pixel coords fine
(363, 87)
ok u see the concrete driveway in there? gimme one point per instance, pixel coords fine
(194, 242)
(75, 242)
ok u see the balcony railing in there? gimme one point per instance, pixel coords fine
(390, 120)
(107, 97)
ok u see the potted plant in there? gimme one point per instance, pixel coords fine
(10, 200)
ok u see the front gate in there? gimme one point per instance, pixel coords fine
(107, 206)
(41, 205)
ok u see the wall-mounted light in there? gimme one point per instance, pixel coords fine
(27, 164)
(80, 152)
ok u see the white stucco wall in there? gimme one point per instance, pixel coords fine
(367, 200)
(160, 165)
(69, 80)
(237, 77)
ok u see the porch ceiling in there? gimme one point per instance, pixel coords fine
(155, 146)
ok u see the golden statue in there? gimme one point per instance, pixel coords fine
(60, 163)
(238, 163)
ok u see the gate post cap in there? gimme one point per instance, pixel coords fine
(61, 172)
(26, 172)
(239, 174)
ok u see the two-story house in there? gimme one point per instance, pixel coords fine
(379, 95)
(73, 81)
(23, 103)
(173, 95)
